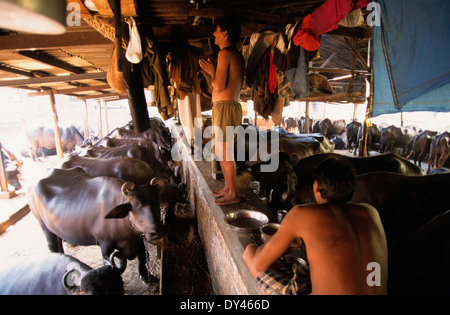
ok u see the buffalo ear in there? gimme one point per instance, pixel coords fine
(119, 212)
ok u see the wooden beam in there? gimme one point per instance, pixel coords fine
(109, 96)
(355, 97)
(47, 59)
(103, 7)
(75, 90)
(32, 41)
(54, 79)
(334, 70)
(81, 4)
(127, 7)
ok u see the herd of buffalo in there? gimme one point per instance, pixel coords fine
(111, 194)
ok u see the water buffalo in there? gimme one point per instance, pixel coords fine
(329, 128)
(147, 155)
(419, 262)
(352, 134)
(59, 274)
(162, 155)
(105, 211)
(132, 151)
(292, 148)
(404, 203)
(395, 137)
(373, 138)
(439, 150)
(303, 179)
(128, 169)
(44, 137)
(421, 145)
(155, 134)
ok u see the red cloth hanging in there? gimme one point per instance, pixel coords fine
(305, 37)
(273, 82)
(326, 18)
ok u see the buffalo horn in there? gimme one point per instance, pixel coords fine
(69, 279)
(122, 261)
(157, 181)
(127, 188)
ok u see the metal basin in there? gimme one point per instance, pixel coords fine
(246, 221)
(267, 230)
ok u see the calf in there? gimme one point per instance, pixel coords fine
(59, 274)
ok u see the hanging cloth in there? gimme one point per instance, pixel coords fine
(306, 37)
(273, 82)
(153, 67)
(326, 18)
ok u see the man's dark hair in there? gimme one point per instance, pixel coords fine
(232, 26)
(336, 179)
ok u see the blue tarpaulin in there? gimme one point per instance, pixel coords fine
(411, 52)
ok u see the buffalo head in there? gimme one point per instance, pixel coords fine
(105, 280)
(143, 208)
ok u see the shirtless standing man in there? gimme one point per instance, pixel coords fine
(343, 240)
(227, 81)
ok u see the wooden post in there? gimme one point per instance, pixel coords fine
(307, 126)
(3, 181)
(365, 126)
(105, 104)
(4, 192)
(355, 111)
(86, 121)
(59, 148)
(100, 122)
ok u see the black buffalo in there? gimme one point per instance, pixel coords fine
(329, 128)
(352, 134)
(373, 138)
(104, 211)
(156, 133)
(58, 274)
(419, 262)
(404, 203)
(395, 137)
(128, 169)
(303, 179)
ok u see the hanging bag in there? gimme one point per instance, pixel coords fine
(134, 49)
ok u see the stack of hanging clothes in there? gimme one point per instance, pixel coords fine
(277, 71)
(185, 73)
(277, 65)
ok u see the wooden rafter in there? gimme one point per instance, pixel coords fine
(32, 41)
(54, 79)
